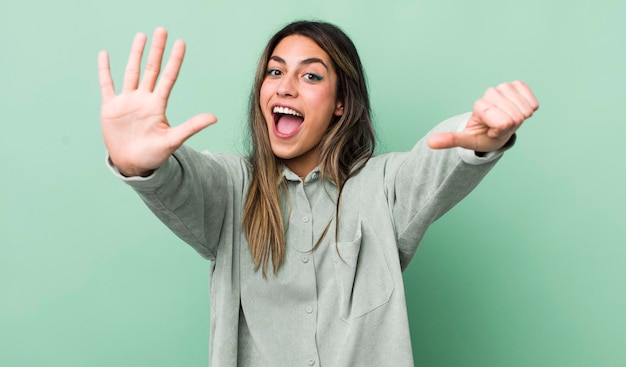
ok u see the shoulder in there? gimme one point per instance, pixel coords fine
(235, 166)
(383, 164)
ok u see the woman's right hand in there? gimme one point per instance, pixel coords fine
(136, 132)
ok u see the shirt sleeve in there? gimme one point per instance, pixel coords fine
(425, 183)
(189, 194)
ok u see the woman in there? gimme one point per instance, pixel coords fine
(309, 235)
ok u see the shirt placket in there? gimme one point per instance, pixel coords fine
(302, 237)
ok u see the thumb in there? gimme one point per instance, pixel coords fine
(450, 140)
(184, 131)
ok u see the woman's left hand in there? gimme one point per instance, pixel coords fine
(494, 120)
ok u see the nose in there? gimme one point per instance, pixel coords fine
(286, 87)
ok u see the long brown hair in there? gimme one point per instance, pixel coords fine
(344, 149)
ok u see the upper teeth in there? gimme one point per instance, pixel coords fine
(286, 111)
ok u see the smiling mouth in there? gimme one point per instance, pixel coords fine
(286, 120)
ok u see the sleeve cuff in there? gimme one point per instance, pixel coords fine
(119, 175)
(162, 174)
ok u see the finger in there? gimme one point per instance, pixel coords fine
(104, 75)
(498, 122)
(172, 68)
(179, 134)
(153, 66)
(521, 100)
(524, 90)
(511, 92)
(131, 76)
(503, 98)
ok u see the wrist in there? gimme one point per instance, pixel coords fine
(129, 171)
(135, 173)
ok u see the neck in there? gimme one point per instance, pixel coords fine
(304, 164)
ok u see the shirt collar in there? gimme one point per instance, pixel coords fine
(291, 176)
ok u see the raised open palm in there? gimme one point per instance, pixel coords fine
(135, 130)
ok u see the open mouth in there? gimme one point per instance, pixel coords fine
(287, 120)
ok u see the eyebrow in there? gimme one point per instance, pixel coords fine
(310, 60)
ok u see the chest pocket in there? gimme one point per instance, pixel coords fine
(362, 274)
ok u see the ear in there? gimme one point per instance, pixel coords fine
(339, 109)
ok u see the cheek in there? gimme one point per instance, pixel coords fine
(264, 93)
(324, 100)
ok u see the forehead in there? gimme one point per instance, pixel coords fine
(296, 48)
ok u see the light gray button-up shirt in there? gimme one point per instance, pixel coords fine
(340, 305)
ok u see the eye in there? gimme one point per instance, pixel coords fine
(312, 77)
(273, 72)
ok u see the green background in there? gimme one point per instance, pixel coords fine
(527, 271)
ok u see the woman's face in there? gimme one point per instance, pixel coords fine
(298, 98)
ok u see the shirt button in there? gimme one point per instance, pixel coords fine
(311, 362)
(305, 219)
(309, 309)
(305, 259)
